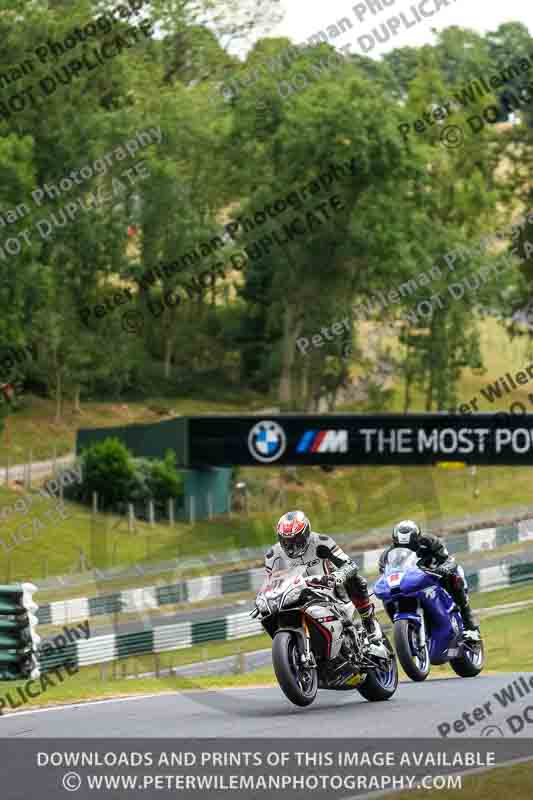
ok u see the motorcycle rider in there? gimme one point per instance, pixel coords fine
(432, 553)
(297, 544)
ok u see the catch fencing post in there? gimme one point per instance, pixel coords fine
(131, 518)
(171, 511)
(191, 508)
(209, 505)
(151, 512)
(95, 502)
(239, 661)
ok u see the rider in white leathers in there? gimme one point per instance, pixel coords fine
(297, 544)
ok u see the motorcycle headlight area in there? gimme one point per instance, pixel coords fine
(262, 605)
(292, 596)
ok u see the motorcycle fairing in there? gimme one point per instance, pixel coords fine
(325, 625)
(443, 622)
(330, 627)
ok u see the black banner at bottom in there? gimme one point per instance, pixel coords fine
(252, 768)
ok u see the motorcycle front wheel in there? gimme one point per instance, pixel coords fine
(380, 684)
(298, 684)
(471, 662)
(413, 658)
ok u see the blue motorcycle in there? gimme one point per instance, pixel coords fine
(427, 624)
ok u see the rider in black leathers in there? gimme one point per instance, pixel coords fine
(432, 554)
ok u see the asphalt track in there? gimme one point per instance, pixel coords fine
(416, 710)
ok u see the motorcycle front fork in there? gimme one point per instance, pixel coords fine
(422, 628)
(307, 658)
(356, 633)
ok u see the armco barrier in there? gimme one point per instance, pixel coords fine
(101, 649)
(210, 587)
(443, 527)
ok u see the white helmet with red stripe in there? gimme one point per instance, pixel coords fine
(294, 531)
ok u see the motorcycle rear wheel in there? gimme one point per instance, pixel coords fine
(298, 685)
(415, 667)
(381, 684)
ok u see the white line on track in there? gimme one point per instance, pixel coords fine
(67, 706)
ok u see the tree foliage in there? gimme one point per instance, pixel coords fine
(408, 203)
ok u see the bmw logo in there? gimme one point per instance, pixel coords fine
(267, 441)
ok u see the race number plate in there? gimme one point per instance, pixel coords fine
(394, 579)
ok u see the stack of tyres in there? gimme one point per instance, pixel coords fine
(18, 639)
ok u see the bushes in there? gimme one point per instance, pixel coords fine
(156, 480)
(110, 470)
(165, 480)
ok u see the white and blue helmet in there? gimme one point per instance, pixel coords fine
(406, 533)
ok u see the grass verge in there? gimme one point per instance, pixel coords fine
(365, 498)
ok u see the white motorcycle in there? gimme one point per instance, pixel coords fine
(316, 645)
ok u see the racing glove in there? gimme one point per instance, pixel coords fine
(444, 569)
(448, 568)
(327, 581)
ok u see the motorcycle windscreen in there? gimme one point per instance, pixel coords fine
(399, 560)
(277, 580)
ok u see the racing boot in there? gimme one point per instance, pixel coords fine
(471, 630)
(370, 623)
(460, 595)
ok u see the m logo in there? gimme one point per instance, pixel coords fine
(323, 442)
